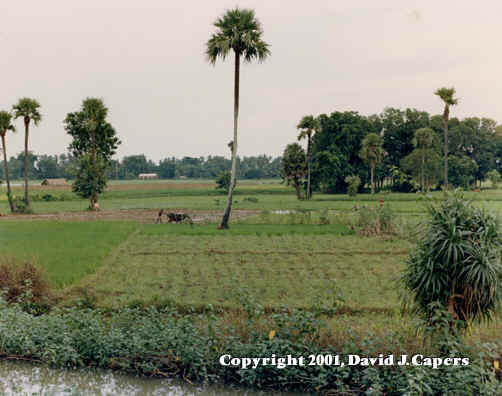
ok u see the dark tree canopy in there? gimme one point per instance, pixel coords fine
(338, 141)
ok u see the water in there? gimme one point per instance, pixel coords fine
(23, 379)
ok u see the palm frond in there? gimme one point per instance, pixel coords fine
(6, 123)
(240, 31)
(27, 108)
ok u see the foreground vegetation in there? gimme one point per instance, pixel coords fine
(169, 299)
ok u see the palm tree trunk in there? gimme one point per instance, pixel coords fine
(309, 144)
(372, 178)
(423, 168)
(445, 121)
(6, 169)
(94, 195)
(26, 162)
(226, 214)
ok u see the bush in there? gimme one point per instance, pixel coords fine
(494, 178)
(20, 205)
(21, 281)
(457, 261)
(251, 199)
(374, 221)
(353, 185)
(223, 181)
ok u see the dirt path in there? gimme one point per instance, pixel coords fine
(145, 216)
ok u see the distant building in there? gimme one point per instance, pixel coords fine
(147, 176)
(54, 182)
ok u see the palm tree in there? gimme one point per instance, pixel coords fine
(6, 125)
(372, 153)
(446, 95)
(308, 126)
(28, 109)
(238, 30)
(424, 137)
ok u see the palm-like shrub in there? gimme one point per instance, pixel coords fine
(457, 261)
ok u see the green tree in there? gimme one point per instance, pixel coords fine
(447, 96)
(29, 110)
(399, 129)
(494, 178)
(135, 164)
(6, 125)
(432, 168)
(308, 126)
(423, 139)
(457, 261)
(462, 171)
(94, 143)
(372, 153)
(293, 167)
(48, 167)
(335, 150)
(223, 181)
(238, 30)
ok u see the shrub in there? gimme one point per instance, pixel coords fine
(353, 184)
(20, 205)
(251, 199)
(324, 217)
(494, 178)
(374, 221)
(223, 181)
(457, 261)
(24, 282)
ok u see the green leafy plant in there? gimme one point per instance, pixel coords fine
(457, 261)
(353, 185)
(494, 178)
(374, 221)
(223, 181)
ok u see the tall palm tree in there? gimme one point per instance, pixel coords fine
(423, 139)
(308, 126)
(446, 95)
(28, 109)
(6, 125)
(238, 30)
(372, 153)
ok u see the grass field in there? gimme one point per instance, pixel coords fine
(67, 251)
(278, 257)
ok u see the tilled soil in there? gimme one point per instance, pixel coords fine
(145, 216)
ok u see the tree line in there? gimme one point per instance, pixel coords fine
(43, 166)
(401, 150)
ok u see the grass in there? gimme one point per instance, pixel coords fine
(280, 259)
(287, 268)
(199, 194)
(68, 251)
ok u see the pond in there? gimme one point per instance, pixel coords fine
(26, 379)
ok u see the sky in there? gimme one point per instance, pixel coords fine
(146, 60)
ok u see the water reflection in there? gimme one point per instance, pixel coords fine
(25, 379)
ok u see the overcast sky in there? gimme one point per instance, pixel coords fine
(146, 60)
